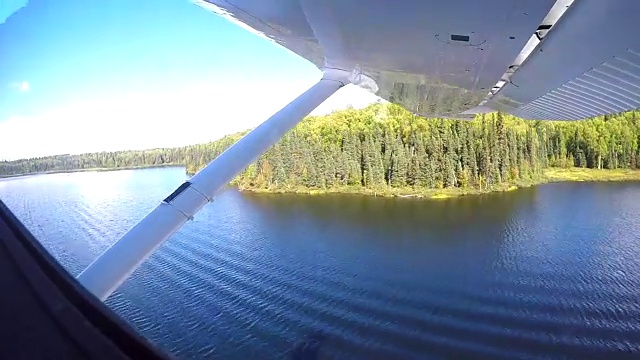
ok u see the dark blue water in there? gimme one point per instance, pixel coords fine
(546, 272)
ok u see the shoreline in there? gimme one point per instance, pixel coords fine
(551, 175)
(90, 170)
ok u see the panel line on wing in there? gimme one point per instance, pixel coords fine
(608, 99)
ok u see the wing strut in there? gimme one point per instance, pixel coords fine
(117, 263)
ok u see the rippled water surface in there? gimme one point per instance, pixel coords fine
(545, 272)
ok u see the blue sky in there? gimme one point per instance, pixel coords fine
(78, 76)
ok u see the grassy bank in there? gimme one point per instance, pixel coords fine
(391, 192)
(91, 169)
(584, 174)
(550, 175)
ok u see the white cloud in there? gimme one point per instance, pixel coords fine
(19, 86)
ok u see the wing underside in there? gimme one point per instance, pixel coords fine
(543, 59)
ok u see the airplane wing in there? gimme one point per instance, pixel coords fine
(9, 7)
(542, 59)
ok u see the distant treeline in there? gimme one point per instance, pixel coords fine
(181, 156)
(386, 146)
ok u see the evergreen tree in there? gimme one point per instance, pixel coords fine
(385, 146)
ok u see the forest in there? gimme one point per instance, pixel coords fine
(384, 146)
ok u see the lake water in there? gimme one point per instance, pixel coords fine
(546, 272)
